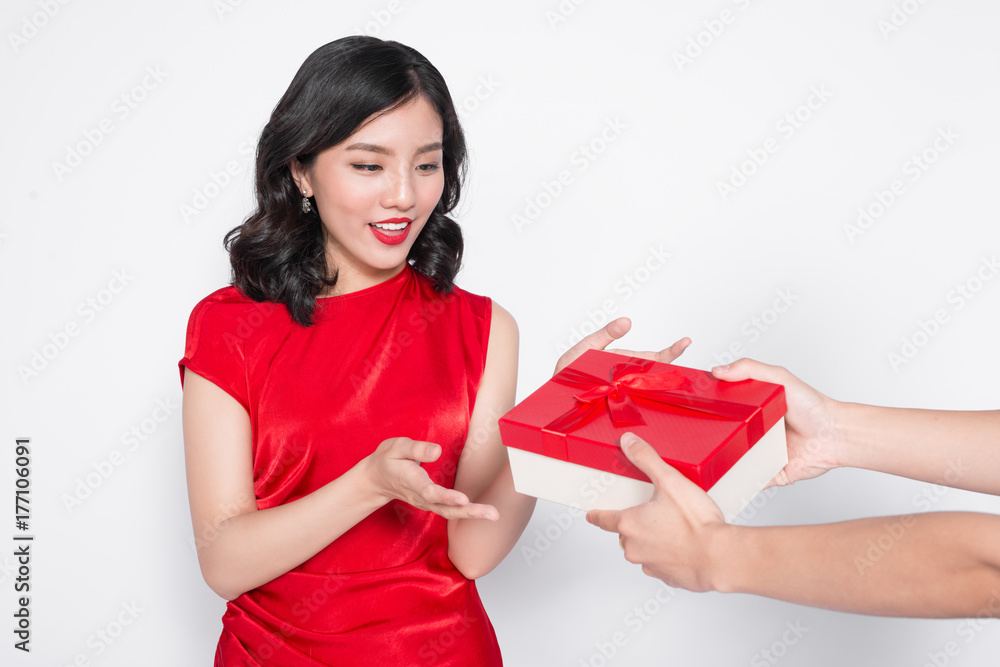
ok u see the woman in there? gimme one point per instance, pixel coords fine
(346, 477)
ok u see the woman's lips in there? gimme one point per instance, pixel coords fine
(392, 231)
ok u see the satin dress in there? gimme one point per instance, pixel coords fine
(395, 359)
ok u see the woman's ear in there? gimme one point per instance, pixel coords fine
(300, 176)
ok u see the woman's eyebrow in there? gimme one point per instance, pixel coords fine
(372, 148)
(375, 148)
(430, 148)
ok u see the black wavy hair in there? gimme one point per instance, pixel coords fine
(278, 253)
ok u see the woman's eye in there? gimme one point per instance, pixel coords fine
(428, 167)
(366, 167)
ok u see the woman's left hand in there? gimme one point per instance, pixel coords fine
(612, 331)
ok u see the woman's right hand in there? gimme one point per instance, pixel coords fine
(396, 474)
(810, 423)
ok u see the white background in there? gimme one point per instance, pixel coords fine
(553, 86)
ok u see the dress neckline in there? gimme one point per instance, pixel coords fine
(329, 305)
(388, 282)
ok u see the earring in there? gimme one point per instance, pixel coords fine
(306, 204)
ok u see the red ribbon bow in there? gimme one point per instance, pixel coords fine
(631, 379)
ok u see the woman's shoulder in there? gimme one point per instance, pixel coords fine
(228, 309)
(454, 292)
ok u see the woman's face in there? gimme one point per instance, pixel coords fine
(375, 191)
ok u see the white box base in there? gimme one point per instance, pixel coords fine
(588, 488)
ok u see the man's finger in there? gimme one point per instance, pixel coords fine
(604, 519)
(666, 479)
(596, 341)
(780, 479)
(646, 459)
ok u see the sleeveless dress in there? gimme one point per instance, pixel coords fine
(395, 359)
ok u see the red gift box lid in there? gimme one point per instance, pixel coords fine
(698, 424)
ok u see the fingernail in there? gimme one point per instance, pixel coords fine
(721, 369)
(627, 440)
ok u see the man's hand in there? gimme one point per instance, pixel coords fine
(810, 424)
(612, 331)
(674, 535)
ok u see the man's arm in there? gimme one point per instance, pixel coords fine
(956, 449)
(930, 565)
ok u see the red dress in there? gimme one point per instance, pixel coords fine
(395, 359)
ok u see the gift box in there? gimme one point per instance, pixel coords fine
(563, 440)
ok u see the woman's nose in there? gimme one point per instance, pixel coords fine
(399, 192)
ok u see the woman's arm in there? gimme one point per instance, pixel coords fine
(928, 565)
(957, 449)
(476, 547)
(240, 547)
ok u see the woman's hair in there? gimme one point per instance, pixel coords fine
(278, 253)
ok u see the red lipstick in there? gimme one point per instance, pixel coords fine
(391, 236)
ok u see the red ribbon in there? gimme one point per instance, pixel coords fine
(631, 379)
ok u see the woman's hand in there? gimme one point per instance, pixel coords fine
(810, 424)
(612, 331)
(395, 472)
